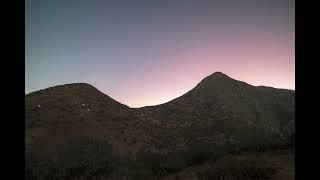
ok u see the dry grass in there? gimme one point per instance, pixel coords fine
(273, 165)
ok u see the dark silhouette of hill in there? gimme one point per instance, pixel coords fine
(223, 110)
(219, 115)
(57, 116)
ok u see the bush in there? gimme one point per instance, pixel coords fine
(175, 162)
(231, 168)
(153, 163)
(86, 158)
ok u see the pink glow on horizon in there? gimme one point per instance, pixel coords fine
(268, 65)
(145, 54)
(255, 57)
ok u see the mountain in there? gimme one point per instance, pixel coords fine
(219, 115)
(60, 115)
(223, 110)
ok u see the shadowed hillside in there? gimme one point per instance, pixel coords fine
(221, 110)
(75, 129)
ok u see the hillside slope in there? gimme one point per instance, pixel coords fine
(222, 110)
(76, 124)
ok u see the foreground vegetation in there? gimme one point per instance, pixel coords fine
(68, 130)
(93, 160)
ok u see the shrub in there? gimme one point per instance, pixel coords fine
(85, 158)
(232, 168)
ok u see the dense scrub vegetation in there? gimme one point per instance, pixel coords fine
(231, 168)
(219, 117)
(93, 159)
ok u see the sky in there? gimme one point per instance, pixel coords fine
(149, 52)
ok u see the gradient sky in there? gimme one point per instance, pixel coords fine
(149, 52)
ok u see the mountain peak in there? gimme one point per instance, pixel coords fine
(63, 87)
(215, 81)
(73, 92)
(219, 75)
